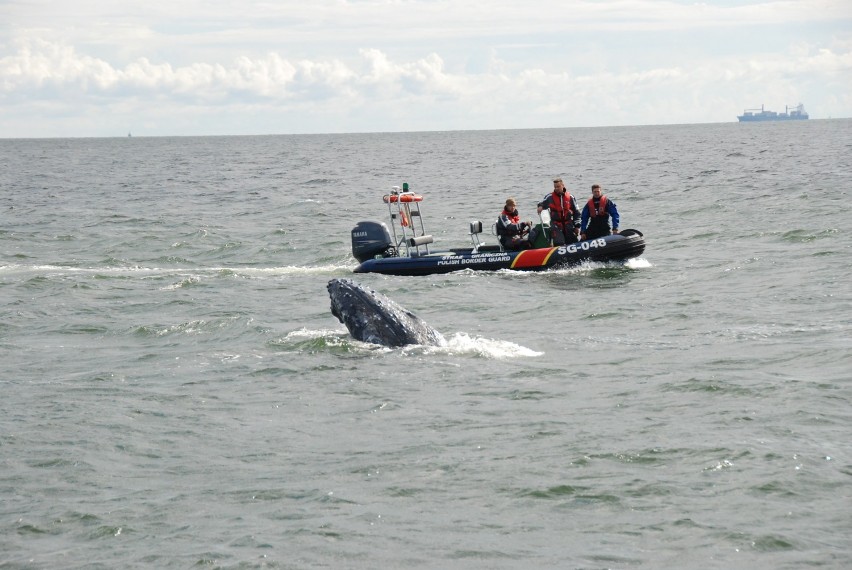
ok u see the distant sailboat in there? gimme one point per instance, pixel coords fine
(129, 135)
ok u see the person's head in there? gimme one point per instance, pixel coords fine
(558, 185)
(511, 205)
(596, 190)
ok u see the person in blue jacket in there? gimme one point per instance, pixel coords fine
(594, 220)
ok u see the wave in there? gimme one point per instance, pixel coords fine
(333, 268)
(328, 269)
(461, 343)
(638, 263)
(458, 344)
(582, 268)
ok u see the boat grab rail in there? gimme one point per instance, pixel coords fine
(475, 230)
(406, 218)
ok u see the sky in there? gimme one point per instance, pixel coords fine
(92, 68)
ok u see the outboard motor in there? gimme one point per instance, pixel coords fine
(371, 240)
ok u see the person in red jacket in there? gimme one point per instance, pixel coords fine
(510, 229)
(564, 214)
(596, 215)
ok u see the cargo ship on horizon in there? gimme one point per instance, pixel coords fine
(796, 113)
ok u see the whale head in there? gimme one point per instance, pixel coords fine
(374, 318)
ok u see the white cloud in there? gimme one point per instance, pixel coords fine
(45, 69)
(402, 65)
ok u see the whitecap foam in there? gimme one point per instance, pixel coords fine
(289, 270)
(137, 269)
(637, 263)
(462, 343)
(304, 333)
(187, 282)
(457, 344)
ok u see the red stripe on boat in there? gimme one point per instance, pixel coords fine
(532, 258)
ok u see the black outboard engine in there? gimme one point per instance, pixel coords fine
(371, 240)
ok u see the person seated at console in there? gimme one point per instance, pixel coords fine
(512, 232)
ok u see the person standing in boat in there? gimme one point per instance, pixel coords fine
(564, 214)
(594, 222)
(510, 229)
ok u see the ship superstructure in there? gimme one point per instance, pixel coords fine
(796, 113)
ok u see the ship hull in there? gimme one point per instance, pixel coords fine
(759, 119)
(617, 247)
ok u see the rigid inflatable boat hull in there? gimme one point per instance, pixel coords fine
(617, 247)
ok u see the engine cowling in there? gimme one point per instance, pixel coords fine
(371, 240)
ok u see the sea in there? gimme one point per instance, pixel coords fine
(177, 394)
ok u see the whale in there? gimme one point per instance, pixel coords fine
(374, 318)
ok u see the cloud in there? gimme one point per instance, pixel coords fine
(414, 64)
(56, 74)
(46, 70)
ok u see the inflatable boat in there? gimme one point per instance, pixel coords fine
(406, 249)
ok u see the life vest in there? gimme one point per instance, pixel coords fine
(513, 218)
(560, 208)
(600, 211)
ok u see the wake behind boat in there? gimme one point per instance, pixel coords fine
(406, 248)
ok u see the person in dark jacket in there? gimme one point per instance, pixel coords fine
(596, 215)
(564, 214)
(510, 229)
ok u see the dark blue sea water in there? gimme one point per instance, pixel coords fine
(177, 394)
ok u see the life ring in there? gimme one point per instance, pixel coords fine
(394, 198)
